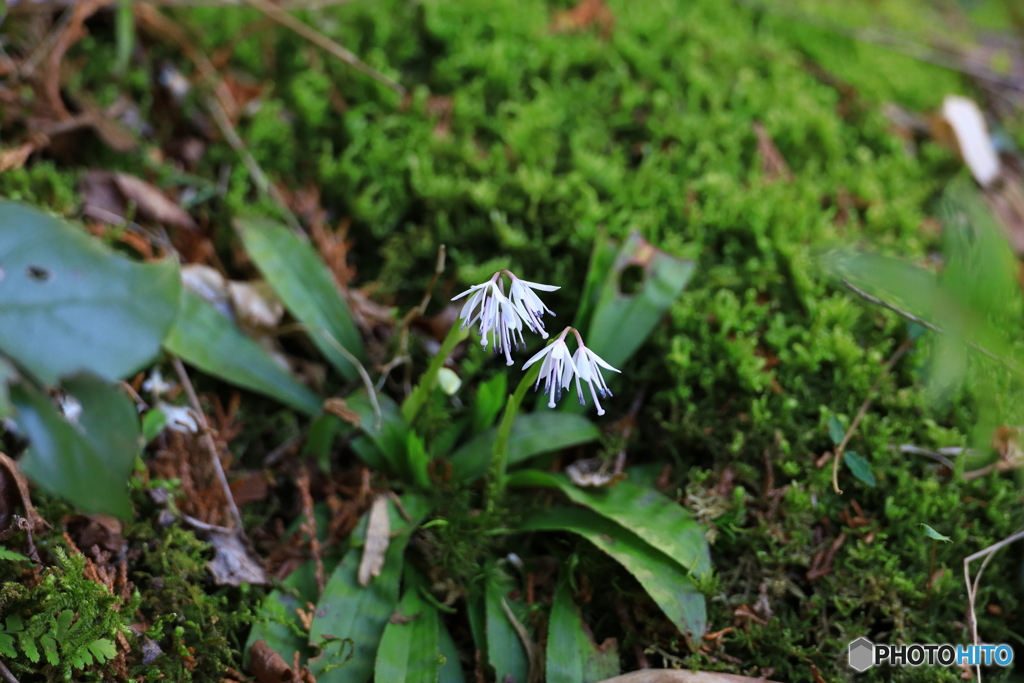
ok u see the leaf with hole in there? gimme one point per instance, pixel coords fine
(306, 287)
(204, 338)
(668, 584)
(69, 304)
(87, 462)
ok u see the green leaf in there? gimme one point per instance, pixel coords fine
(69, 305)
(28, 646)
(64, 620)
(49, 648)
(532, 434)
(932, 533)
(417, 460)
(14, 623)
(89, 462)
(410, 645)
(383, 448)
(352, 613)
(206, 339)
(124, 31)
(490, 397)
(572, 654)
(665, 581)
(505, 651)
(860, 467)
(8, 375)
(620, 322)
(320, 438)
(451, 670)
(102, 649)
(8, 555)
(836, 430)
(7, 646)
(647, 513)
(306, 287)
(414, 402)
(153, 422)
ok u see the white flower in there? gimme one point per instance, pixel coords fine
(587, 369)
(557, 368)
(529, 306)
(500, 318)
(180, 418)
(156, 384)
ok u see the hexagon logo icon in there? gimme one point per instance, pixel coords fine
(862, 655)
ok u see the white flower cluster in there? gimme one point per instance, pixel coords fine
(501, 321)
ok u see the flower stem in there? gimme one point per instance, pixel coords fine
(499, 459)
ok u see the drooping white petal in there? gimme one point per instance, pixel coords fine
(537, 356)
(543, 288)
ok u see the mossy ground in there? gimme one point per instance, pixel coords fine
(514, 147)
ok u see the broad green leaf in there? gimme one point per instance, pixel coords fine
(153, 422)
(414, 402)
(306, 287)
(8, 375)
(350, 618)
(532, 434)
(836, 430)
(451, 670)
(7, 646)
(102, 649)
(69, 304)
(410, 647)
(89, 462)
(860, 467)
(8, 555)
(417, 460)
(572, 654)
(490, 397)
(932, 533)
(620, 323)
(383, 448)
(647, 513)
(505, 651)
(663, 578)
(206, 339)
(320, 438)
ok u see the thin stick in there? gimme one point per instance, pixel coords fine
(320, 40)
(302, 483)
(6, 674)
(972, 587)
(921, 321)
(207, 438)
(904, 347)
(263, 184)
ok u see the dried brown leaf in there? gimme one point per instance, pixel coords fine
(102, 532)
(267, 665)
(15, 157)
(338, 406)
(773, 164)
(593, 472)
(232, 563)
(378, 537)
(152, 203)
(970, 132)
(255, 303)
(585, 14)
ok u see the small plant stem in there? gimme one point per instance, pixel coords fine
(320, 40)
(923, 323)
(499, 458)
(904, 347)
(972, 586)
(207, 438)
(414, 402)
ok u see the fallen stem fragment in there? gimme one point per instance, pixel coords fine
(207, 438)
(904, 347)
(320, 40)
(972, 587)
(6, 674)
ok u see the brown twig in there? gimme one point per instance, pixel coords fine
(302, 483)
(972, 587)
(320, 40)
(904, 347)
(6, 674)
(207, 438)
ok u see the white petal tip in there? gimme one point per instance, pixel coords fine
(510, 363)
(551, 404)
(600, 412)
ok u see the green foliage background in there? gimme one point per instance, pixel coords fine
(552, 138)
